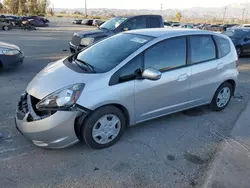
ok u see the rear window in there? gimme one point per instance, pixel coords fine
(223, 46)
(202, 48)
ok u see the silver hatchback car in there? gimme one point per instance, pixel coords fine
(128, 78)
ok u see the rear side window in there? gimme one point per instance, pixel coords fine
(223, 46)
(153, 22)
(166, 55)
(202, 48)
(135, 23)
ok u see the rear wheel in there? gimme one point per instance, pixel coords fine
(104, 127)
(5, 28)
(222, 97)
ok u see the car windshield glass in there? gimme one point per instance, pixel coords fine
(112, 24)
(106, 54)
(237, 33)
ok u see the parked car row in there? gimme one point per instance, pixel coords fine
(90, 22)
(18, 21)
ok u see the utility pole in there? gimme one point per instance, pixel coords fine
(243, 14)
(86, 14)
(224, 14)
(161, 8)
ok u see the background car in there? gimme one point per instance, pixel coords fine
(97, 22)
(215, 27)
(88, 22)
(241, 39)
(77, 22)
(10, 55)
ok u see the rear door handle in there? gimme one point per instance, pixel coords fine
(220, 66)
(182, 77)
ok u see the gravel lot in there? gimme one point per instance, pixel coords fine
(172, 151)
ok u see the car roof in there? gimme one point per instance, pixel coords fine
(130, 16)
(164, 32)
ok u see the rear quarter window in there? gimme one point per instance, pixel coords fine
(153, 22)
(223, 46)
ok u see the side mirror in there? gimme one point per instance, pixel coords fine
(125, 29)
(151, 74)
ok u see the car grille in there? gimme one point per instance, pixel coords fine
(27, 111)
(76, 40)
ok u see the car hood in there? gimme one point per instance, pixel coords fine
(9, 46)
(56, 76)
(92, 33)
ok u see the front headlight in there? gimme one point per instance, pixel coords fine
(10, 52)
(87, 41)
(61, 99)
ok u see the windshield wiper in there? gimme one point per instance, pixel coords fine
(90, 67)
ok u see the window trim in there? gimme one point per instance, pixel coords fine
(163, 71)
(204, 61)
(114, 79)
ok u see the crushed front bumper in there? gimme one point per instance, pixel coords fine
(50, 130)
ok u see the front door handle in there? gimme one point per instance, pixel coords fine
(182, 77)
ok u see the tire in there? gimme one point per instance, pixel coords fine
(218, 96)
(103, 130)
(239, 51)
(5, 28)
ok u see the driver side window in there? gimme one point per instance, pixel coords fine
(135, 23)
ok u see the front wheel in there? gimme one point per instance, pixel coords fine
(104, 127)
(222, 97)
(5, 28)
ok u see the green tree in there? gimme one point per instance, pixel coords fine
(20, 7)
(11, 5)
(178, 16)
(1, 6)
(32, 7)
(42, 6)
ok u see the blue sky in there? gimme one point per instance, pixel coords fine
(142, 4)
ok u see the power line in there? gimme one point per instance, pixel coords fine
(161, 8)
(243, 13)
(224, 14)
(86, 14)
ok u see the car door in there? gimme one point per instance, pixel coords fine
(205, 69)
(171, 92)
(246, 43)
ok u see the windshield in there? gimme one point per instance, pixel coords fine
(105, 55)
(112, 24)
(236, 33)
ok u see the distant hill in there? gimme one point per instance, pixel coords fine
(233, 11)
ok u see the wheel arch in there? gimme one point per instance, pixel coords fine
(79, 121)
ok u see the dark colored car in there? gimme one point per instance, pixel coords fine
(215, 27)
(10, 55)
(87, 22)
(77, 22)
(15, 20)
(37, 23)
(241, 39)
(113, 26)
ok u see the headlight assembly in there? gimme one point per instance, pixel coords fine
(61, 99)
(10, 52)
(87, 41)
